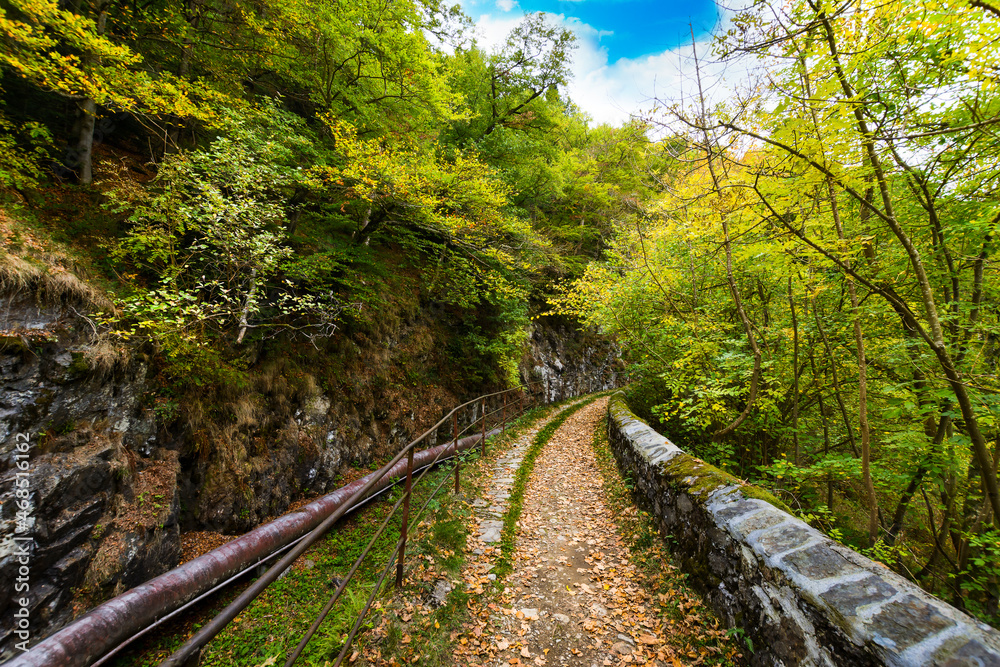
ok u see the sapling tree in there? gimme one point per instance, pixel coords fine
(212, 237)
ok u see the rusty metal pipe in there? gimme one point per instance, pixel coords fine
(83, 641)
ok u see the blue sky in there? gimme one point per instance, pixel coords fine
(626, 28)
(631, 55)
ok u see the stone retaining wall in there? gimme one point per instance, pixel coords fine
(800, 597)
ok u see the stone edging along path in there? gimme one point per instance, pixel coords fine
(491, 507)
(800, 596)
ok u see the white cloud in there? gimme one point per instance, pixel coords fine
(491, 31)
(612, 92)
(506, 5)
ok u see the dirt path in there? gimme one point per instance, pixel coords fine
(573, 593)
(574, 597)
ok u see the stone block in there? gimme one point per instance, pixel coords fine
(848, 597)
(903, 623)
(758, 521)
(973, 653)
(818, 561)
(740, 508)
(782, 538)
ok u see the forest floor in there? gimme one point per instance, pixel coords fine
(577, 576)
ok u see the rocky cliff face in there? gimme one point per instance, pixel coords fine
(69, 444)
(114, 472)
(565, 361)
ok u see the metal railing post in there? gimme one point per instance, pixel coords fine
(458, 460)
(406, 518)
(484, 427)
(503, 427)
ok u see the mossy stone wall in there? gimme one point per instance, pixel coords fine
(800, 597)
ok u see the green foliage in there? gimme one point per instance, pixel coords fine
(822, 517)
(75, 55)
(504, 340)
(883, 553)
(979, 579)
(22, 147)
(508, 87)
(212, 235)
(278, 133)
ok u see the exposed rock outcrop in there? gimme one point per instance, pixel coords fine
(92, 511)
(567, 362)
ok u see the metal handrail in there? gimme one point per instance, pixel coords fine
(194, 644)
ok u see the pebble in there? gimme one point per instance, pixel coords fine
(562, 618)
(441, 590)
(621, 648)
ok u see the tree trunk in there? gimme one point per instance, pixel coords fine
(369, 224)
(88, 110)
(836, 382)
(826, 429)
(859, 343)
(251, 296)
(795, 373)
(84, 150)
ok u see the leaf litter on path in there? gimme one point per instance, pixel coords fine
(575, 595)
